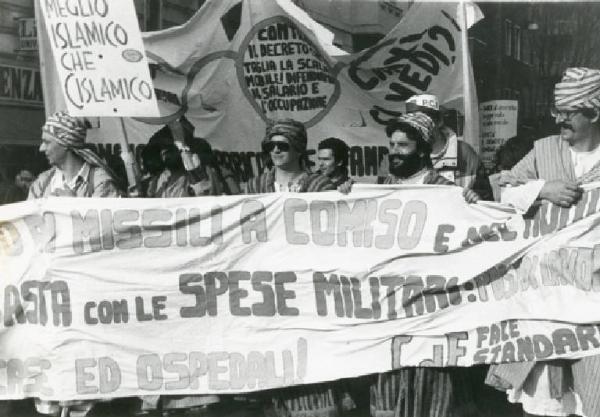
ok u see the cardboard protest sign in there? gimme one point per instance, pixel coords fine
(99, 57)
(119, 297)
(498, 124)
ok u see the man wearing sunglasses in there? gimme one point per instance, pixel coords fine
(554, 170)
(285, 143)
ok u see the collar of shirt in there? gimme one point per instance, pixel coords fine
(58, 180)
(584, 162)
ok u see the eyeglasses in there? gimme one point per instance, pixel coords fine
(565, 115)
(282, 146)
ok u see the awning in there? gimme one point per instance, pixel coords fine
(21, 125)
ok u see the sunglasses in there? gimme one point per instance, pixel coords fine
(282, 146)
(565, 115)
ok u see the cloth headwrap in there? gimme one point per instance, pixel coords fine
(293, 130)
(579, 88)
(70, 132)
(421, 122)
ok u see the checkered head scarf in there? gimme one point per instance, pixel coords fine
(579, 88)
(70, 132)
(293, 130)
(421, 122)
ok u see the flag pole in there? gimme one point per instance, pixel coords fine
(468, 127)
(131, 165)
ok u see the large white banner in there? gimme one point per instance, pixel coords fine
(118, 297)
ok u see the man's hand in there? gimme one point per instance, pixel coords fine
(470, 196)
(506, 178)
(346, 187)
(562, 193)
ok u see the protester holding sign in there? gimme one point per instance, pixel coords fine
(76, 169)
(172, 180)
(286, 142)
(410, 146)
(207, 176)
(76, 172)
(416, 392)
(189, 166)
(554, 170)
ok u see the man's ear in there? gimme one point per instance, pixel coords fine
(596, 116)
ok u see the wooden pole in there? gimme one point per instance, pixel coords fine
(131, 165)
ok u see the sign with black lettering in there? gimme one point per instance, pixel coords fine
(99, 56)
(21, 85)
(27, 34)
(498, 120)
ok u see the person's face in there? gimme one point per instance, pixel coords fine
(327, 162)
(404, 156)
(401, 146)
(574, 126)
(25, 178)
(281, 152)
(56, 154)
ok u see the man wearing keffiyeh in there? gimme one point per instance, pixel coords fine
(555, 170)
(76, 169)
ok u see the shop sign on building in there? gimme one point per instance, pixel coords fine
(20, 86)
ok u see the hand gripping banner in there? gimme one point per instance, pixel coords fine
(120, 297)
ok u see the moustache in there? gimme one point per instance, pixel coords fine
(565, 125)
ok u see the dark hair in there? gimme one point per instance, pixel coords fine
(151, 159)
(202, 148)
(164, 136)
(341, 151)
(411, 132)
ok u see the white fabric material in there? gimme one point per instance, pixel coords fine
(583, 162)
(540, 402)
(523, 196)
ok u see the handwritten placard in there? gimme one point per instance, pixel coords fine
(498, 120)
(99, 56)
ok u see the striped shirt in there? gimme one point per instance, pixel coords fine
(90, 182)
(308, 182)
(313, 400)
(550, 159)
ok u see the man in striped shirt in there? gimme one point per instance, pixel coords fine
(76, 169)
(554, 170)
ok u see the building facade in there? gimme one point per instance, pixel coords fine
(21, 100)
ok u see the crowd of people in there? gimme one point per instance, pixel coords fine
(421, 150)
